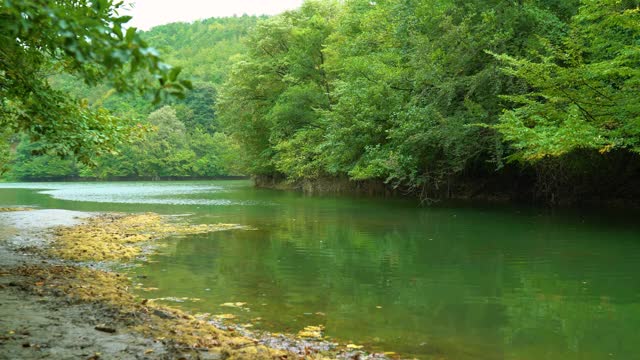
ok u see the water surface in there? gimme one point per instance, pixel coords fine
(445, 282)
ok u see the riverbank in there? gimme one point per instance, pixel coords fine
(55, 306)
(550, 184)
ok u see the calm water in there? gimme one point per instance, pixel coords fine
(447, 282)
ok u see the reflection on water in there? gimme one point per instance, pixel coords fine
(435, 283)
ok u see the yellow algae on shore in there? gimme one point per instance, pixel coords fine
(120, 236)
(12, 209)
(124, 236)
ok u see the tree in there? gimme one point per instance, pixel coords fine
(398, 91)
(26, 166)
(84, 38)
(415, 80)
(5, 151)
(583, 90)
(273, 99)
(196, 110)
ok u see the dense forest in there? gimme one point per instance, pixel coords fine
(177, 139)
(530, 99)
(534, 100)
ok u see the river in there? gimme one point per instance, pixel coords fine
(442, 282)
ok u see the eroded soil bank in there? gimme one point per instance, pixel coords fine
(58, 298)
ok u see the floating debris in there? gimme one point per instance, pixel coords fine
(225, 316)
(234, 304)
(314, 332)
(175, 299)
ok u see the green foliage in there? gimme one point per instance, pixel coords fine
(198, 148)
(203, 48)
(414, 93)
(26, 166)
(169, 150)
(5, 151)
(583, 90)
(272, 101)
(84, 38)
(420, 93)
(415, 79)
(196, 110)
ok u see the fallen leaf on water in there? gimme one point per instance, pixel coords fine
(311, 332)
(353, 346)
(176, 299)
(234, 304)
(148, 351)
(378, 307)
(225, 316)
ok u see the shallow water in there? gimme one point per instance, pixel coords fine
(446, 282)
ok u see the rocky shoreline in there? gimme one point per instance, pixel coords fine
(59, 299)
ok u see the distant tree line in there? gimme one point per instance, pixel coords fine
(178, 138)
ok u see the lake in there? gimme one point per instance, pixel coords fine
(451, 281)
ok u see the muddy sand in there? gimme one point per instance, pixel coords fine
(42, 326)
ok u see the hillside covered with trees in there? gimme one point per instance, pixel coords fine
(533, 100)
(179, 138)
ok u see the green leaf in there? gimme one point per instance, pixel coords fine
(173, 74)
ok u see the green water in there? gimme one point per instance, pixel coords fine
(446, 282)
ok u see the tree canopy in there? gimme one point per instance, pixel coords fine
(583, 89)
(431, 97)
(426, 94)
(83, 38)
(204, 50)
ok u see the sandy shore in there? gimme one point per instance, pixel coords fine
(53, 307)
(36, 324)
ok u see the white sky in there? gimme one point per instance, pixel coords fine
(149, 13)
